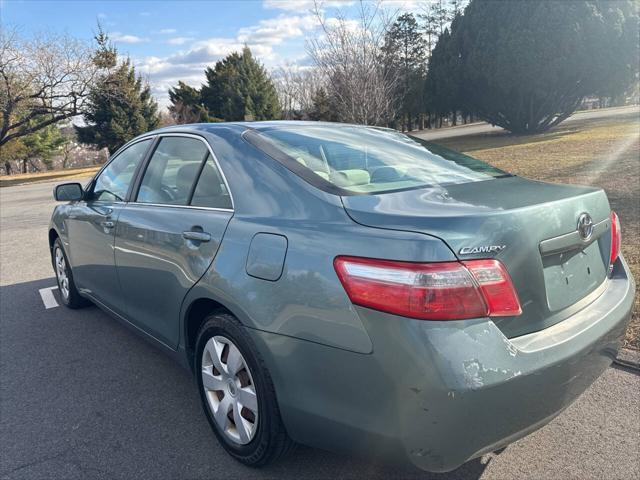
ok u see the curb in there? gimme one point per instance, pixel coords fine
(628, 358)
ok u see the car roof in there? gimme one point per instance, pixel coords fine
(242, 126)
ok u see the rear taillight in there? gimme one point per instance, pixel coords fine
(430, 291)
(616, 238)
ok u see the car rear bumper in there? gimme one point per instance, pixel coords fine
(441, 393)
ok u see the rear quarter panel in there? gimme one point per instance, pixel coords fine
(307, 301)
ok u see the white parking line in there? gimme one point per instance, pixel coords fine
(47, 297)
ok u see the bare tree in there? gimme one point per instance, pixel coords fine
(296, 88)
(42, 81)
(65, 154)
(348, 56)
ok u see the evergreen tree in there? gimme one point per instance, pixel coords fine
(430, 27)
(526, 66)
(405, 49)
(455, 8)
(106, 55)
(186, 104)
(12, 151)
(322, 110)
(444, 84)
(436, 17)
(43, 144)
(239, 88)
(120, 104)
(443, 15)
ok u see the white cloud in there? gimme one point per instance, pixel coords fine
(179, 40)
(189, 64)
(274, 31)
(349, 24)
(124, 38)
(206, 51)
(167, 31)
(305, 5)
(410, 6)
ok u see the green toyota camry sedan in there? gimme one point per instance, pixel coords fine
(349, 288)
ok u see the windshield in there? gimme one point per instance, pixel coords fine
(372, 160)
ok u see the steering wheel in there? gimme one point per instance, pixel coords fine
(151, 195)
(169, 193)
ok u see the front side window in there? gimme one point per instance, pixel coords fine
(172, 171)
(113, 182)
(370, 160)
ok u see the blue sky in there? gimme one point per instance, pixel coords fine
(174, 40)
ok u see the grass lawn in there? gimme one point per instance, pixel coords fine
(61, 175)
(600, 152)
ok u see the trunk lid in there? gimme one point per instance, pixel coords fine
(531, 227)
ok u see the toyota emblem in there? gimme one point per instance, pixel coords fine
(585, 226)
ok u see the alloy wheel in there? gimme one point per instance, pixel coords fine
(229, 389)
(61, 272)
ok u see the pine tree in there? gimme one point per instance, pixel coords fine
(322, 110)
(430, 27)
(239, 88)
(455, 8)
(43, 144)
(186, 105)
(106, 55)
(526, 66)
(437, 17)
(443, 15)
(405, 49)
(444, 79)
(120, 104)
(12, 151)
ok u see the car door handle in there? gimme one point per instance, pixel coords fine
(196, 236)
(107, 224)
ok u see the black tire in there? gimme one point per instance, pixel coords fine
(271, 440)
(73, 299)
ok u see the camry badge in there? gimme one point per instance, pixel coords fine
(483, 249)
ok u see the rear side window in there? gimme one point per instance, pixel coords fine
(367, 159)
(211, 190)
(172, 171)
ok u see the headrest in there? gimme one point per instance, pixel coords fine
(386, 174)
(345, 178)
(185, 177)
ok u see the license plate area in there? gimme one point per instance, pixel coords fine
(572, 274)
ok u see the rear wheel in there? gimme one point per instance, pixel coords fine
(237, 393)
(66, 286)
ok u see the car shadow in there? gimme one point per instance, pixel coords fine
(84, 396)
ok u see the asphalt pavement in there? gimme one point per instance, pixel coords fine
(82, 396)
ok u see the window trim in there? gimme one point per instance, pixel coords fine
(138, 179)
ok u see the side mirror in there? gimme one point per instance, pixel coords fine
(68, 192)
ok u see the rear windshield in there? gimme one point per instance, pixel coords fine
(369, 159)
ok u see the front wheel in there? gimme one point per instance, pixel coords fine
(237, 393)
(66, 286)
